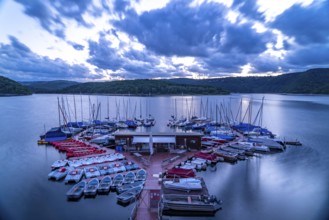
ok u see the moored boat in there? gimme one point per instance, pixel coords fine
(77, 190)
(127, 187)
(228, 156)
(117, 181)
(58, 173)
(129, 177)
(141, 175)
(130, 195)
(91, 188)
(105, 169)
(58, 164)
(55, 134)
(190, 203)
(74, 176)
(183, 184)
(91, 172)
(206, 156)
(180, 172)
(105, 184)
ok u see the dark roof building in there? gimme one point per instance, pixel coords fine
(158, 141)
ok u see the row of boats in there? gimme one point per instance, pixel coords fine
(86, 161)
(73, 174)
(75, 148)
(127, 186)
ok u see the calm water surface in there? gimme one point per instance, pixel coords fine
(289, 185)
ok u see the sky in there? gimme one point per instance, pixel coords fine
(97, 40)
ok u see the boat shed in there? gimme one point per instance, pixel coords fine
(154, 142)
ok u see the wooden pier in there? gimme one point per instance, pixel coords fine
(146, 207)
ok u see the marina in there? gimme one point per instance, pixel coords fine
(167, 159)
(136, 169)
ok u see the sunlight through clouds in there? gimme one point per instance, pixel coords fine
(166, 38)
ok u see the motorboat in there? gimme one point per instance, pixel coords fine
(183, 184)
(188, 165)
(228, 156)
(206, 156)
(74, 176)
(180, 172)
(190, 203)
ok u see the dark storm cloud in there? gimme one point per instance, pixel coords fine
(130, 64)
(102, 55)
(143, 56)
(307, 25)
(315, 55)
(18, 62)
(245, 40)
(229, 62)
(181, 30)
(177, 29)
(267, 64)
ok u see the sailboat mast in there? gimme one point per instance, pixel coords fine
(75, 109)
(59, 114)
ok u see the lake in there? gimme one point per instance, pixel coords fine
(289, 185)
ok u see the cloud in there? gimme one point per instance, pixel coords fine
(249, 9)
(39, 10)
(76, 45)
(307, 25)
(182, 38)
(18, 62)
(315, 55)
(177, 29)
(102, 55)
(72, 9)
(50, 13)
(182, 30)
(243, 39)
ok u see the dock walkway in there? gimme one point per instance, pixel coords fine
(154, 166)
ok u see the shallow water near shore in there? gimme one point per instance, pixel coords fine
(293, 184)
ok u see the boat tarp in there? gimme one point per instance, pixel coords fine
(155, 139)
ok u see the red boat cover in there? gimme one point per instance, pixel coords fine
(205, 156)
(180, 172)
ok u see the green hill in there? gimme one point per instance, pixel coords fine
(10, 87)
(49, 86)
(314, 81)
(142, 87)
